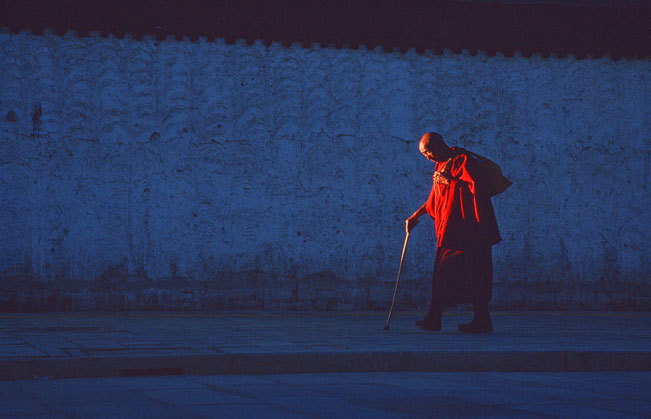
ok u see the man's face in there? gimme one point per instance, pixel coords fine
(430, 151)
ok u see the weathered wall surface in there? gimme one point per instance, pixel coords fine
(145, 174)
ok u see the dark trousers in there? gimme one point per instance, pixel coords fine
(462, 276)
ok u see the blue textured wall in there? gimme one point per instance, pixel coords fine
(146, 174)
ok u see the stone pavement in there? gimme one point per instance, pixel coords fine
(336, 395)
(71, 345)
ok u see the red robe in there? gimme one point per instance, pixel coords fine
(463, 214)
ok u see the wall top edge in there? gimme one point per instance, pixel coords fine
(582, 30)
(440, 51)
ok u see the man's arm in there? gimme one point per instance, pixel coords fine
(411, 222)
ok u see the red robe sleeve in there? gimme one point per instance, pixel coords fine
(463, 214)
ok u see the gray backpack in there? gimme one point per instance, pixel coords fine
(495, 180)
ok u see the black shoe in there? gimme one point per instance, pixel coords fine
(429, 324)
(475, 326)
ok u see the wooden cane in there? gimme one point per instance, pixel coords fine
(395, 292)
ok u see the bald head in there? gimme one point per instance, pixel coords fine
(433, 147)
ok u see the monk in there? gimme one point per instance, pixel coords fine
(466, 229)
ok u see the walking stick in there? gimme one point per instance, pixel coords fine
(395, 292)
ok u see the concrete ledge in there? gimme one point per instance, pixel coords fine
(279, 363)
(607, 361)
(71, 345)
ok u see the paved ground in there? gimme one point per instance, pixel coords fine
(358, 395)
(70, 345)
